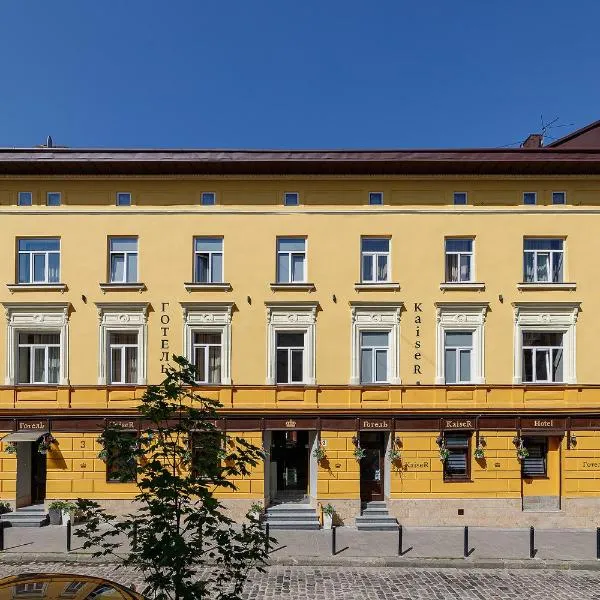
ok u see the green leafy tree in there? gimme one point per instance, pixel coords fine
(179, 527)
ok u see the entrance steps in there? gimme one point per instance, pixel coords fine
(375, 517)
(292, 516)
(28, 516)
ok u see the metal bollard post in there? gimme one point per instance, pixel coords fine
(2, 535)
(597, 543)
(466, 543)
(399, 540)
(69, 535)
(267, 543)
(333, 540)
(531, 542)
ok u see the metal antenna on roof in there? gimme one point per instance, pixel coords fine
(546, 128)
(49, 142)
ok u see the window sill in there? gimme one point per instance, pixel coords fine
(463, 285)
(122, 287)
(458, 480)
(372, 286)
(207, 287)
(524, 286)
(299, 287)
(37, 287)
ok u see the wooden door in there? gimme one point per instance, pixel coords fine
(372, 466)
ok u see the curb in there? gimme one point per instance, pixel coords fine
(316, 561)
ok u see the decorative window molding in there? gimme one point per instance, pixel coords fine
(376, 317)
(287, 317)
(47, 317)
(556, 316)
(127, 316)
(211, 318)
(464, 316)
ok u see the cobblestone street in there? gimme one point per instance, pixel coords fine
(378, 583)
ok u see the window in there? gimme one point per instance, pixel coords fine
(73, 587)
(24, 198)
(53, 199)
(543, 260)
(290, 357)
(39, 357)
(102, 590)
(206, 449)
(456, 466)
(208, 198)
(534, 465)
(375, 198)
(123, 259)
(39, 260)
(123, 199)
(460, 197)
(208, 260)
(291, 259)
(529, 198)
(30, 589)
(542, 357)
(375, 257)
(207, 352)
(459, 260)
(291, 199)
(559, 197)
(123, 353)
(457, 356)
(120, 464)
(374, 352)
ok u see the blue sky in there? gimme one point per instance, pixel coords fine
(303, 74)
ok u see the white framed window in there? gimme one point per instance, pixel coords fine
(459, 260)
(544, 342)
(458, 356)
(37, 343)
(123, 350)
(460, 342)
(38, 260)
(291, 343)
(559, 197)
(207, 340)
(543, 260)
(375, 198)
(123, 259)
(529, 198)
(53, 199)
(460, 198)
(291, 260)
(375, 259)
(208, 198)
(375, 356)
(291, 198)
(123, 199)
(122, 343)
(542, 356)
(38, 357)
(24, 198)
(208, 260)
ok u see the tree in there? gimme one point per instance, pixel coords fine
(178, 460)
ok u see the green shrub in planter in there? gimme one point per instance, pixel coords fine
(57, 508)
(5, 507)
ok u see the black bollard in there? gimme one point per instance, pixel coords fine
(2, 535)
(333, 540)
(597, 543)
(466, 543)
(531, 542)
(399, 540)
(267, 543)
(69, 535)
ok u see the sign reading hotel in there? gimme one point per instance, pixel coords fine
(35, 425)
(381, 424)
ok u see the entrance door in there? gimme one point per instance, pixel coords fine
(290, 451)
(372, 465)
(38, 475)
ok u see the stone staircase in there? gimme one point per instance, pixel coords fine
(375, 517)
(28, 516)
(292, 516)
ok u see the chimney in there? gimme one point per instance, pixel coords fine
(534, 140)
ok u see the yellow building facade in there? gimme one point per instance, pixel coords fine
(411, 327)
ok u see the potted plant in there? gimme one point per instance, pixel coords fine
(444, 453)
(319, 453)
(46, 443)
(522, 452)
(55, 511)
(359, 453)
(69, 512)
(5, 507)
(328, 511)
(10, 448)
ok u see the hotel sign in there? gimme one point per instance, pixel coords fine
(416, 465)
(375, 424)
(543, 423)
(32, 425)
(459, 423)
